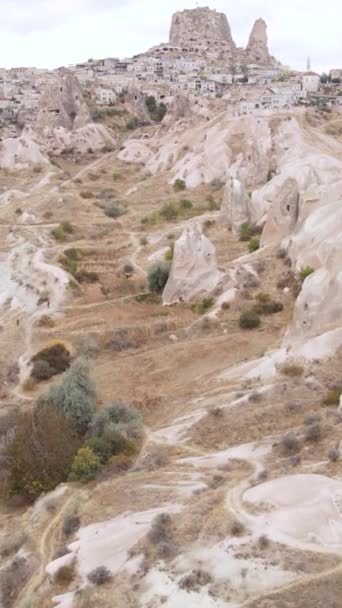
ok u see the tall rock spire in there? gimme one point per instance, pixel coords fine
(257, 48)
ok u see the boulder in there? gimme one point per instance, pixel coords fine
(21, 153)
(194, 268)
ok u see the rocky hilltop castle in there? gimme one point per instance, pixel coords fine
(205, 29)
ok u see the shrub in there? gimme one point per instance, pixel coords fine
(71, 525)
(48, 215)
(217, 184)
(50, 361)
(39, 455)
(253, 245)
(58, 233)
(101, 447)
(85, 465)
(151, 103)
(86, 194)
(292, 369)
(157, 277)
(169, 212)
(305, 272)
(169, 254)
(237, 528)
(263, 541)
(18, 211)
(268, 308)
(204, 305)
(114, 211)
(185, 204)
(99, 576)
(119, 418)
(88, 347)
(74, 397)
(179, 185)
(290, 443)
(249, 319)
(313, 433)
(245, 232)
(132, 124)
(332, 397)
(65, 575)
(143, 241)
(212, 204)
(161, 529)
(72, 254)
(85, 276)
(67, 227)
(115, 176)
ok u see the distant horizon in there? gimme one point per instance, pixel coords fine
(31, 35)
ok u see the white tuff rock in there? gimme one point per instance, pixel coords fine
(194, 268)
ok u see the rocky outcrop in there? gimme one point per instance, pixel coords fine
(235, 205)
(194, 268)
(200, 26)
(257, 48)
(283, 215)
(21, 153)
(63, 105)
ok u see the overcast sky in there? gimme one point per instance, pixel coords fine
(51, 33)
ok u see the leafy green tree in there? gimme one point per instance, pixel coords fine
(74, 397)
(157, 277)
(85, 465)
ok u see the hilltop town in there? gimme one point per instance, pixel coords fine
(201, 60)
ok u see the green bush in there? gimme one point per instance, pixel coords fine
(132, 124)
(84, 276)
(143, 241)
(50, 361)
(245, 232)
(217, 184)
(332, 397)
(204, 305)
(185, 205)
(169, 212)
(151, 103)
(85, 465)
(169, 254)
(179, 185)
(58, 233)
(67, 227)
(101, 447)
(249, 319)
(74, 397)
(114, 211)
(118, 418)
(212, 204)
(72, 254)
(253, 245)
(157, 277)
(305, 272)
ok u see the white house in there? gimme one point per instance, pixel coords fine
(310, 82)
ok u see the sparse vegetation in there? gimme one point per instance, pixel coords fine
(249, 319)
(204, 305)
(306, 272)
(169, 253)
(292, 369)
(71, 524)
(237, 528)
(99, 576)
(179, 185)
(333, 455)
(313, 432)
(113, 211)
(58, 233)
(143, 241)
(132, 124)
(157, 277)
(65, 575)
(253, 245)
(332, 397)
(169, 212)
(217, 184)
(290, 443)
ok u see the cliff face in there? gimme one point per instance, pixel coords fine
(200, 26)
(63, 105)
